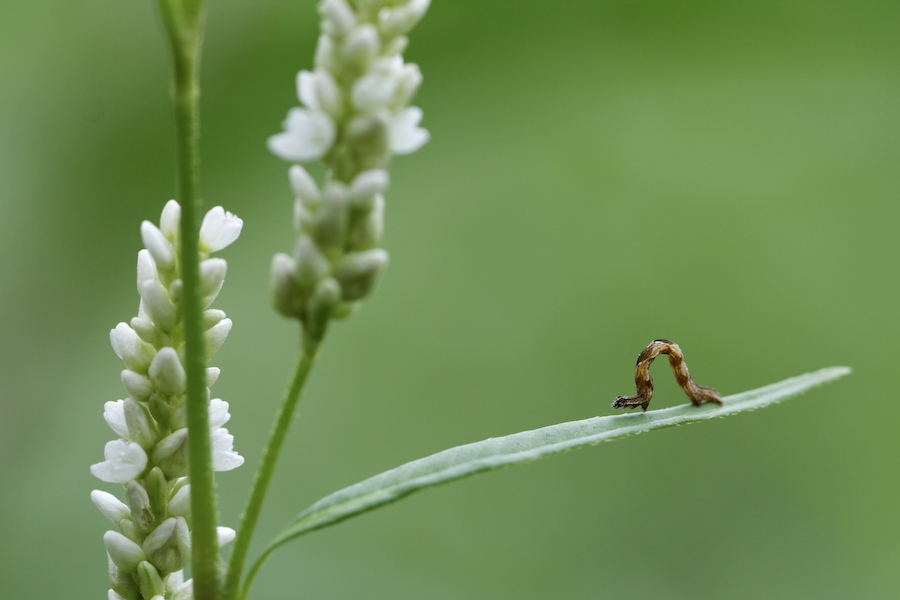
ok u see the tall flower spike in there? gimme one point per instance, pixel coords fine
(152, 543)
(355, 117)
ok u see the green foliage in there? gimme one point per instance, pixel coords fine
(525, 446)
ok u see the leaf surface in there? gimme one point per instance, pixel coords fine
(494, 453)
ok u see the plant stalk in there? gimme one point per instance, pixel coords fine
(309, 348)
(184, 23)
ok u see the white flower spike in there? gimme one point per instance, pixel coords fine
(153, 539)
(354, 117)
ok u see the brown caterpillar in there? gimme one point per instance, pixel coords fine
(644, 383)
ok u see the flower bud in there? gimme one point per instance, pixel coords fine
(375, 89)
(168, 547)
(361, 46)
(169, 454)
(114, 414)
(396, 46)
(369, 136)
(399, 20)
(146, 269)
(325, 54)
(167, 372)
(215, 337)
(124, 462)
(157, 491)
(225, 535)
(211, 318)
(138, 386)
(212, 375)
(129, 347)
(157, 304)
(139, 503)
(170, 220)
(160, 248)
(150, 582)
(310, 264)
(304, 186)
(141, 427)
(180, 503)
(366, 185)
(178, 413)
(325, 297)
(358, 272)
(407, 84)
(124, 553)
(288, 298)
(333, 225)
(369, 233)
(111, 507)
(338, 17)
(212, 276)
(124, 585)
(145, 329)
(161, 410)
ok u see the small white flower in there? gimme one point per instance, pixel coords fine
(224, 458)
(215, 336)
(114, 413)
(111, 507)
(146, 268)
(218, 413)
(124, 553)
(219, 229)
(128, 346)
(180, 503)
(158, 245)
(212, 276)
(167, 372)
(170, 220)
(225, 535)
(404, 134)
(124, 461)
(308, 135)
(304, 185)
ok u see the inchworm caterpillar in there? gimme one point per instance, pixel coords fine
(644, 383)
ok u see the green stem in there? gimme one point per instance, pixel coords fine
(307, 356)
(184, 23)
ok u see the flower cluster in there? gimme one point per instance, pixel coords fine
(354, 118)
(153, 541)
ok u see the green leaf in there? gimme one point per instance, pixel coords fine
(494, 453)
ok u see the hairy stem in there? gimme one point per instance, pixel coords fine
(307, 356)
(184, 23)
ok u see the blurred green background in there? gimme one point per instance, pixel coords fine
(600, 174)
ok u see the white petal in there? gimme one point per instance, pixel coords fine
(219, 229)
(170, 220)
(404, 134)
(114, 413)
(225, 535)
(308, 135)
(212, 276)
(112, 508)
(218, 413)
(374, 90)
(224, 458)
(306, 89)
(215, 336)
(304, 185)
(180, 503)
(146, 268)
(158, 245)
(124, 461)
(111, 595)
(167, 372)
